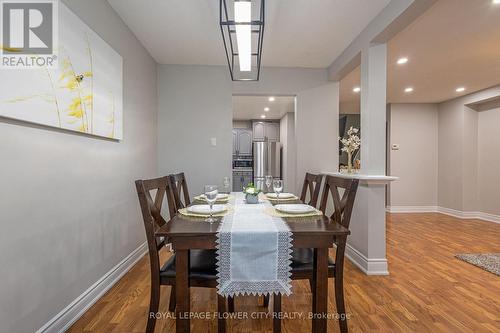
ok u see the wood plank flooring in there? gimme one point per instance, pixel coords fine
(428, 290)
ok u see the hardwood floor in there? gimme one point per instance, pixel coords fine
(428, 290)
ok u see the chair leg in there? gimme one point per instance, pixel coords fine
(339, 286)
(154, 303)
(276, 310)
(171, 303)
(221, 309)
(266, 301)
(230, 304)
(311, 284)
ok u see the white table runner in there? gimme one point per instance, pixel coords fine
(254, 251)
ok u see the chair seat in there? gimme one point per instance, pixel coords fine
(302, 261)
(201, 262)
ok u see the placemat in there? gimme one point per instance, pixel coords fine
(276, 213)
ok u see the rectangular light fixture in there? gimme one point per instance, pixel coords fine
(243, 14)
(242, 28)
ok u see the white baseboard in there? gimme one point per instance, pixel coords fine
(443, 210)
(70, 314)
(412, 209)
(367, 266)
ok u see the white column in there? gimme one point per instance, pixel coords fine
(366, 245)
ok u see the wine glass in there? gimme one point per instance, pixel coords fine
(278, 188)
(211, 196)
(227, 182)
(269, 182)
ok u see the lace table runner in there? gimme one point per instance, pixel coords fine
(253, 251)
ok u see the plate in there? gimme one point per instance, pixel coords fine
(220, 196)
(282, 195)
(295, 208)
(205, 209)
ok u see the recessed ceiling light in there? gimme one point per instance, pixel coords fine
(263, 116)
(408, 90)
(271, 99)
(460, 89)
(266, 109)
(402, 61)
(356, 89)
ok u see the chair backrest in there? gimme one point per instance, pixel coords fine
(180, 190)
(342, 206)
(151, 213)
(313, 184)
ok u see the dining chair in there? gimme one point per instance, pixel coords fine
(302, 265)
(312, 183)
(202, 268)
(180, 190)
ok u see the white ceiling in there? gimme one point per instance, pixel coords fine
(455, 43)
(298, 33)
(252, 107)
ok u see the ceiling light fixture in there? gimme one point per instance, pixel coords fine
(266, 109)
(243, 56)
(402, 61)
(356, 89)
(496, 2)
(408, 90)
(271, 99)
(263, 116)
(460, 89)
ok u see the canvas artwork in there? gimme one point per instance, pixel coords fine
(84, 94)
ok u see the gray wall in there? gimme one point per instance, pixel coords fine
(198, 99)
(489, 160)
(195, 105)
(68, 206)
(415, 128)
(287, 138)
(458, 151)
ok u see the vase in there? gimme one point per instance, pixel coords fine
(349, 162)
(251, 198)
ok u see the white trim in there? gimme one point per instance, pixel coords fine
(412, 209)
(71, 313)
(443, 210)
(367, 266)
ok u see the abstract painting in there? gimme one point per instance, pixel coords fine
(83, 94)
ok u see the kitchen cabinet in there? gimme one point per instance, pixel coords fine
(266, 131)
(242, 142)
(259, 131)
(273, 132)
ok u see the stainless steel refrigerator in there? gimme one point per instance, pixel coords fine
(266, 161)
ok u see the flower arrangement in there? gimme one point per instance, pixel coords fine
(350, 145)
(251, 193)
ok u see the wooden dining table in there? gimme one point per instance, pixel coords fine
(317, 232)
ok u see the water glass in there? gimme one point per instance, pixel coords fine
(278, 188)
(269, 182)
(211, 196)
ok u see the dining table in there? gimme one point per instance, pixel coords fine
(317, 232)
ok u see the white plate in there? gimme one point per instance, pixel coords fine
(295, 208)
(282, 195)
(205, 209)
(220, 196)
